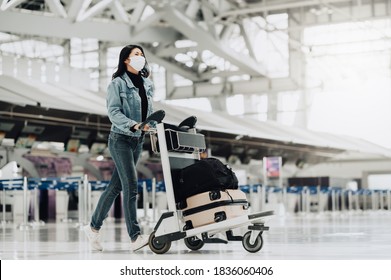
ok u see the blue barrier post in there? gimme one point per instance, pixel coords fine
(251, 195)
(37, 220)
(262, 198)
(357, 200)
(305, 200)
(88, 202)
(374, 200)
(365, 202)
(284, 198)
(318, 196)
(333, 202)
(85, 199)
(350, 200)
(3, 196)
(342, 197)
(300, 200)
(381, 201)
(388, 200)
(24, 225)
(145, 200)
(82, 204)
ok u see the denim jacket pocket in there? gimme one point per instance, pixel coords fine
(126, 96)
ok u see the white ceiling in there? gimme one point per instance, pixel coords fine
(160, 25)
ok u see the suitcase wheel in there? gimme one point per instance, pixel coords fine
(214, 195)
(220, 216)
(181, 204)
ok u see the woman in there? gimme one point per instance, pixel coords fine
(129, 102)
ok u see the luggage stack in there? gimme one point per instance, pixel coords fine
(207, 192)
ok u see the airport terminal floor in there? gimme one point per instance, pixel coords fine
(312, 236)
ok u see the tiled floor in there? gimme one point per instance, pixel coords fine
(342, 236)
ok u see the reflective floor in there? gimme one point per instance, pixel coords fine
(342, 236)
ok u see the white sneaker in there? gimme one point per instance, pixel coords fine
(141, 241)
(93, 237)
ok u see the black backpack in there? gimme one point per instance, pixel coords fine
(204, 175)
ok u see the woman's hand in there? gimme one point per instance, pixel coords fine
(145, 128)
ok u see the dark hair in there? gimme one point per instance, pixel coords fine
(123, 55)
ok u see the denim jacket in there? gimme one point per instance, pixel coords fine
(124, 104)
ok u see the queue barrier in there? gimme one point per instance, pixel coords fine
(14, 200)
(317, 199)
(19, 198)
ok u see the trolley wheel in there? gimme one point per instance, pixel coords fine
(193, 243)
(157, 247)
(252, 248)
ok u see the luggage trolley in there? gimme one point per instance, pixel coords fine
(178, 148)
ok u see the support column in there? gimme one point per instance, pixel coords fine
(218, 103)
(67, 53)
(272, 106)
(103, 79)
(297, 66)
(170, 87)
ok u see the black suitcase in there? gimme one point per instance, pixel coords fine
(213, 207)
(202, 176)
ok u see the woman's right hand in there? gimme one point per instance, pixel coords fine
(145, 128)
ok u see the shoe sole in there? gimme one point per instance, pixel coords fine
(134, 250)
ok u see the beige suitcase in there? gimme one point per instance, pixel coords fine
(213, 207)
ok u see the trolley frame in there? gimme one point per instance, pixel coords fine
(171, 227)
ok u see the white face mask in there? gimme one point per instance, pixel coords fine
(137, 62)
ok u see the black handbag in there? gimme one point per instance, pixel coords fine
(204, 175)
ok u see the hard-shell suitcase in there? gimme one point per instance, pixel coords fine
(213, 207)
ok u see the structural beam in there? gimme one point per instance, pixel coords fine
(137, 13)
(94, 10)
(57, 8)
(244, 28)
(281, 5)
(191, 75)
(119, 12)
(8, 4)
(208, 19)
(76, 7)
(206, 41)
(253, 86)
(192, 9)
(146, 24)
(38, 25)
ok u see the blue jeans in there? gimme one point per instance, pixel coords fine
(125, 151)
